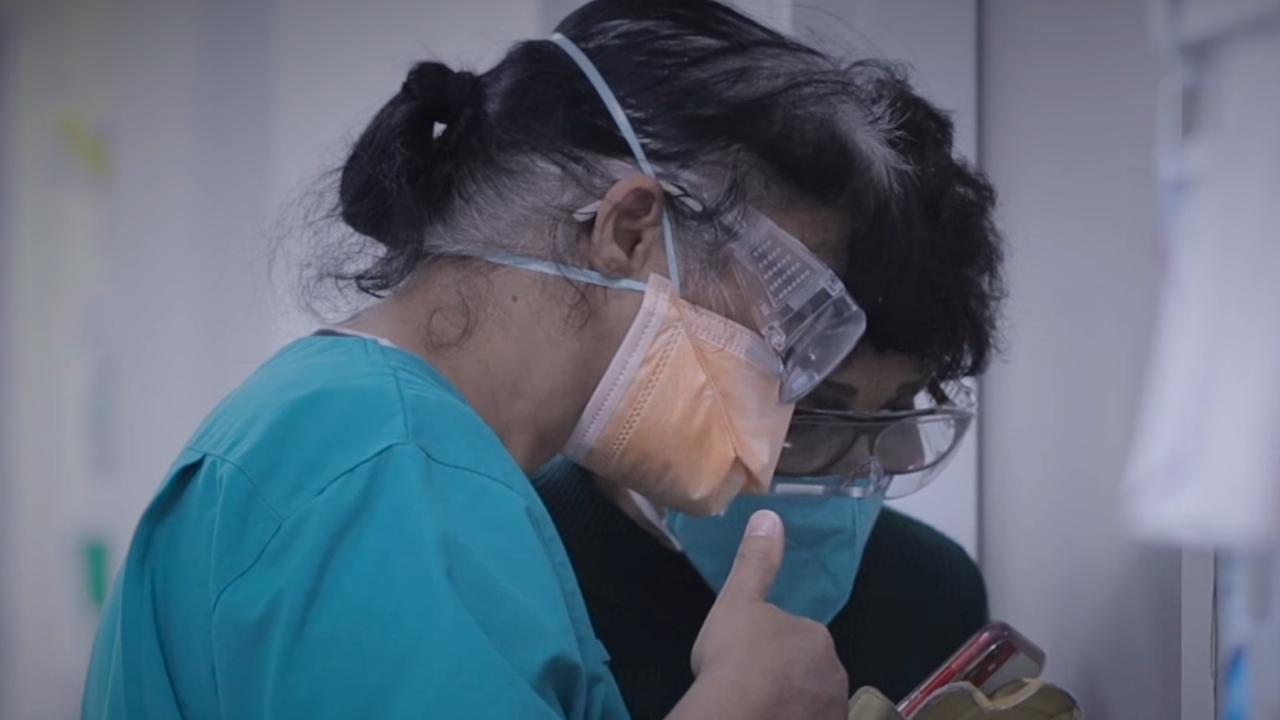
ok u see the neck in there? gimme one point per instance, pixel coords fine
(506, 352)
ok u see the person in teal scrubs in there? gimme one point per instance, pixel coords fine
(346, 537)
(352, 531)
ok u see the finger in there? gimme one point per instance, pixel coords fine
(758, 560)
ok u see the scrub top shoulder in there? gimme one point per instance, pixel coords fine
(345, 537)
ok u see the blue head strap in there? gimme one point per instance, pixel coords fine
(633, 141)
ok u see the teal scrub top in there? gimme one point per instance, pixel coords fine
(344, 537)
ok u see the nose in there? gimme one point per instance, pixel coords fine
(859, 453)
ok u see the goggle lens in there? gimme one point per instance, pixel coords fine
(912, 447)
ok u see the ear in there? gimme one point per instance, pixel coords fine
(626, 240)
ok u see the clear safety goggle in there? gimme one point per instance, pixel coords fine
(869, 480)
(899, 452)
(798, 304)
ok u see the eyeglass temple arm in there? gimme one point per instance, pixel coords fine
(938, 394)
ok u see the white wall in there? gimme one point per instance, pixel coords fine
(334, 62)
(55, 204)
(7, 601)
(1068, 116)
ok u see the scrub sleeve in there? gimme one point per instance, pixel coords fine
(345, 538)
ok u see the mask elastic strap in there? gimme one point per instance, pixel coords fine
(629, 134)
(547, 267)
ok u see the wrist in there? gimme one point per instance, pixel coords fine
(738, 692)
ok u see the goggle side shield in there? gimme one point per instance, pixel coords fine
(799, 305)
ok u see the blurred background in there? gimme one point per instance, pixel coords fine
(151, 151)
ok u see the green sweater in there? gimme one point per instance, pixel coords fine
(918, 597)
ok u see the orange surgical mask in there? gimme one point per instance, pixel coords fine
(688, 412)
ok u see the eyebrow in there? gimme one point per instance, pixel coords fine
(846, 393)
(906, 391)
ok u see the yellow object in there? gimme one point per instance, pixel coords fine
(85, 144)
(869, 704)
(1019, 700)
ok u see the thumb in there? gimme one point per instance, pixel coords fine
(758, 560)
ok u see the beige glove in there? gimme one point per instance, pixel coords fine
(869, 704)
(1019, 700)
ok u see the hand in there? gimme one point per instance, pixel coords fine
(751, 659)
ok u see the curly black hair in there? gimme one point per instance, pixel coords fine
(925, 263)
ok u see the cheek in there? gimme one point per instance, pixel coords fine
(622, 308)
(655, 262)
(721, 294)
(600, 320)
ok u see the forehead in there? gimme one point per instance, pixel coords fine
(823, 231)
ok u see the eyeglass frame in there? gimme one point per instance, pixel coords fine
(962, 410)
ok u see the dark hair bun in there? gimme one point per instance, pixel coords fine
(443, 93)
(389, 183)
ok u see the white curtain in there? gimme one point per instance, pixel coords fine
(1205, 469)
